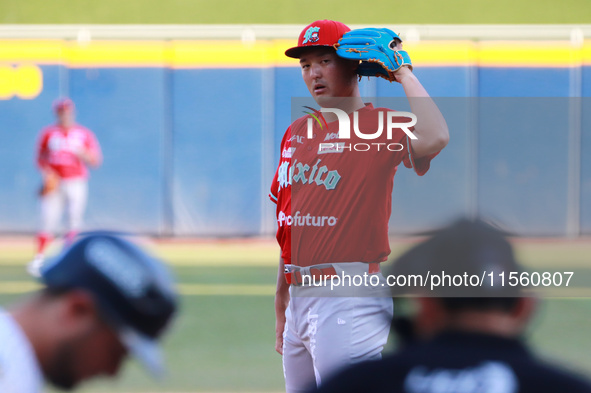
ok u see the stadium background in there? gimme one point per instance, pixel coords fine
(176, 162)
(190, 129)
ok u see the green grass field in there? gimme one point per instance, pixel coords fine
(283, 11)
(223, 339)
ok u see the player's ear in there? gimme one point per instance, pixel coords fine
(79, 311)
(523, 311)
(431, 317)
(350, 65)
(353, 65)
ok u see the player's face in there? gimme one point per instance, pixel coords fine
(328, 76)
(94, 352)
(65, 117)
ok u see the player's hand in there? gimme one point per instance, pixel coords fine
(50, 182)
(85, 156)
(281, 304)
(279, 328)
(403, 71)
(402, 74)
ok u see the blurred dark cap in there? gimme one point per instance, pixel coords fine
(470, 249)
(134, 291)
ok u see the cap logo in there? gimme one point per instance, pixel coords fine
(311, 35)
(117, 266)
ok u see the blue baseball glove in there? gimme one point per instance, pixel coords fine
(376, 48)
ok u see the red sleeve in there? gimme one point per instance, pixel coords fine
(420, 165)
(274, 193)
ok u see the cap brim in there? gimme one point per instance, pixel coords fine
(145, 349)
(297, 51)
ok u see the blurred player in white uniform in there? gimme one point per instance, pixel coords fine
(64, 152)
(87, 316)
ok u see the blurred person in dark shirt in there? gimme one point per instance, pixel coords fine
(466, 339)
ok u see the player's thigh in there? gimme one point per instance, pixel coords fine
(76, 194)
(349, 330)
(298, 368)
(51, 208)
(329, 335)
(372, 319)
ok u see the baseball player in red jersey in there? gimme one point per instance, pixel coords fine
(64, 152)
(333, 207)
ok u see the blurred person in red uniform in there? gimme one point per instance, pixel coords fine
(65, 151)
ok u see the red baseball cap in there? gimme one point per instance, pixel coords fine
(62, 104)
(319, 33)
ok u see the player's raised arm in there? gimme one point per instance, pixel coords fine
(431, 129)
(380, 53)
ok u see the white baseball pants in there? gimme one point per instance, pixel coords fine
(324, 334)
(72, 195)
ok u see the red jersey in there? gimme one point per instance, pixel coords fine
(57, 149)
(333, 195)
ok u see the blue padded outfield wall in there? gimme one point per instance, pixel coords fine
(190, 134)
